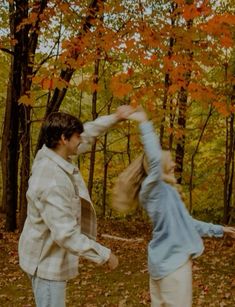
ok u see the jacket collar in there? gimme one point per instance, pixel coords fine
(64, 164)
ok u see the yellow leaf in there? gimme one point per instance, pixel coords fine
(27, 100)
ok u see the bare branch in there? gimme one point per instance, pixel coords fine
(7, 51)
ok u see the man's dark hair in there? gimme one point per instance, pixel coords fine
(58, 124)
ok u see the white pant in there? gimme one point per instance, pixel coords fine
(174, 290)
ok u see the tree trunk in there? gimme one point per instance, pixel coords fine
(19, 115)
(94, 116)
(106, 164)
(172, 120)
(179, 157)
(25, 162)
(229, 163)
(128, 144)
(167, 82)
(30, 43)
(192, 161)
(66, 74)
(183, 97)
(9, 152)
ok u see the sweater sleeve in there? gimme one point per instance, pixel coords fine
(208, 229)
(57, 213)
(153, 154)
(94, 129)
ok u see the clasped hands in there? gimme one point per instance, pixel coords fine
(128, 112)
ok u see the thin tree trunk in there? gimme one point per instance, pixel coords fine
(172, 120)
(164, 106)
(105, 176)
(229, 163)
(167, 82)
(106, 165)
(192, 161)
(128, 148)
(179, 157)
(94, 116)
(183, 97)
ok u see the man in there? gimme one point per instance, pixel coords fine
(61, 220)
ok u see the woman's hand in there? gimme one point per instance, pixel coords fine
(229, 231)
(139, 115)
(128, 112)
(123, 112)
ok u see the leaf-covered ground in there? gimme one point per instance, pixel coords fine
(214, 272)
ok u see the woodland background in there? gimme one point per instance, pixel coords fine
(176, 58)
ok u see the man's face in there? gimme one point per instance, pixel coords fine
(72, 144)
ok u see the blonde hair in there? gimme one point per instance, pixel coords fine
(165, 159)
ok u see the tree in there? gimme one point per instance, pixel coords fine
(24, 40)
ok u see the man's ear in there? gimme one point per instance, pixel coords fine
(63, 140)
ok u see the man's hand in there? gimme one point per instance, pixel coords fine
(229, 231)
(128, 112)
(113, 261)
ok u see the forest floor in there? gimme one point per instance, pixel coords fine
(213, 272)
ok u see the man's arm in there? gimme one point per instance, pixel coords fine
(55, 207)
(100, 126)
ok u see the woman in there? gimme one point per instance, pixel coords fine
(176, 236)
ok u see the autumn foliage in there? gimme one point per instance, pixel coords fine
(176, 58)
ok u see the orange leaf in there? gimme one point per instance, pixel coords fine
(121, 90)
(47, 83)
(190, 12)
(227, 41)
(119, 86)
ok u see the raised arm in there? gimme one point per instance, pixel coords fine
(152, 151)
(100, 126)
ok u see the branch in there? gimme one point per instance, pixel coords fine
(7, 51)
(106, 236)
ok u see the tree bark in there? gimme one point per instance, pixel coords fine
(106, 164)
(179, 157)
(29, 48)
(183, 97)
(229, 163)
(167, 81)
(94, 116)
(10, 147)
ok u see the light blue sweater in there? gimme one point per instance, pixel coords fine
(176, 235)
